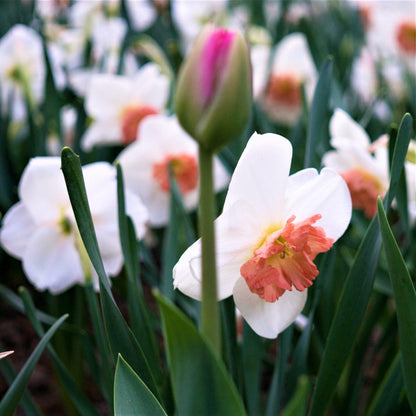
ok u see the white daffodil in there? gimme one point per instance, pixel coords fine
(272, 227)
(292, 67)
(22, 68)
(41, 230)
(118, 104)
(366, 175)
(146, 162)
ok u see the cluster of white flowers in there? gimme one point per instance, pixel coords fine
(273, 225)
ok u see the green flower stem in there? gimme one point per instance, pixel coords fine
(209, 308)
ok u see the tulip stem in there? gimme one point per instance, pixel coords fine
(209, 308)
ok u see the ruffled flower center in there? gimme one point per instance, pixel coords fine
(285, 89)
(364, 189)
(284, 258)
(184, 168)
(406, 37)
(130, 119)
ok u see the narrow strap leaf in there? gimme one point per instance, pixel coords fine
(405, 297)
(13, 395)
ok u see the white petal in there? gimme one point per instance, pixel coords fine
(107, 95)
(293, 56)
(342, 125)
(51, 260)
(42, 189)
(186, 278)
(102, 131)
(268, 319)
(237, 234)
(150, 87)
(16, 230)
(142, 14)
(160, 136)
(137, 212)
(260, 176)
(221, 175)
(327, 194)
(351, 155)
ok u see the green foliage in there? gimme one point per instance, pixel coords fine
(131, 396)
(194, 366)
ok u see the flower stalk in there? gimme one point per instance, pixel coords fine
(209, 308)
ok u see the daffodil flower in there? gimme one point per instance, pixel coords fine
(146, 162)
(292, 66)
(366, 175)
(41, 229)
(272, 227)
(118, 104)
(22, 68)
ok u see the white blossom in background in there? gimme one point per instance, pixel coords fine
(41, 231)
(142, 13)
(391, 28)
(380, 150)
(146, 162)
(191, 16)
(410, 167)
(68, 118)
(22, 68)
(107, 38)
(292, 66)
(365, 174)
(117, 104)
(271, 229)
(364, 76)
(260, 53)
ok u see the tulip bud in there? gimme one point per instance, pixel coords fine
(213, 95)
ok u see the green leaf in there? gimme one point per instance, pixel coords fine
(120, 337)
(14, 300)
(131, 395)
(388, 394)
(146, 45)
(274, 400)
(319, 113)
(139, 316)
(71, 168)
(356, 292)
(399, 156)
(405, 296)
(252, 353)
(201, 385)
(26, 402)
(83, 405)
(13, 395)
(299, 402)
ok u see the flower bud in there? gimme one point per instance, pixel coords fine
(213, 93)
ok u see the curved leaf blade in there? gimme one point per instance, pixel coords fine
(405, 297)
(356, 292)
(201, 385)
(13, 395)
(131, 395)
